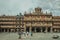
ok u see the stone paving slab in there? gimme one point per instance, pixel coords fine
(36, 36)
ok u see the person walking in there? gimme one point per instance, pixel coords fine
(31, 33)
(19, 33)
(27, 33)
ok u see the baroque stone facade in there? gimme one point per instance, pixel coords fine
(36, 21)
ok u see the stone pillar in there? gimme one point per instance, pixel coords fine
(4, 30)
(51, 30)
(55, 30)
(7, 30)
(35, 29)
(30, 29)
(41, 29)
(14, 30)
(46, 29)
(11, 30)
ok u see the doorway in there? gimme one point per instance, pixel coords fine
(38, 29)
(27, 29)
(33, 29)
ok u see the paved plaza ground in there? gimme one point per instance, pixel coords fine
(36, 36)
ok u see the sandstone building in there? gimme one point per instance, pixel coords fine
(7, 23)
(36, 21)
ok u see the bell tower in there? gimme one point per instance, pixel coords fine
(38, 9)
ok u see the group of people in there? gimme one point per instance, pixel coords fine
(25, 34)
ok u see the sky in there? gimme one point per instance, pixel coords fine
(14, 7)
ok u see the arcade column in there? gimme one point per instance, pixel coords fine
(46, 29)
(30, 29)
(4, 30)
(41, 29)
(7, 30)
(51, 29)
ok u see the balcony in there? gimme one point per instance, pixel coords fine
(37, 24)
(7, 22)
(40, 24)
(56, 26)
(56, 23)
(8, 26)
(27, 19)
(45, 24)
(33, 19)
(48, 19)
(29, 24)
(38, 19)
(34, 24)
(7, 19)
(56, 19)
(49, 24)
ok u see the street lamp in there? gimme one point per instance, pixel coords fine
(19, 20)
(20, 17)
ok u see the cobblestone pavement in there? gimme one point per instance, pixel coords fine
(36, 36)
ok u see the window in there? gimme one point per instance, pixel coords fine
(27, 22)
(38, 16)
(33, 22)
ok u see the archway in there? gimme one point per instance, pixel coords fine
(33, 29)
(49, 29)
(38, 29)
(43, 29)
(27, 29)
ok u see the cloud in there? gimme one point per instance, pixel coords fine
(13, 7)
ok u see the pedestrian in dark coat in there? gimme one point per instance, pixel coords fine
(19, 33)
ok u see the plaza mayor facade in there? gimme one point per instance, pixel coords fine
(37, 21)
